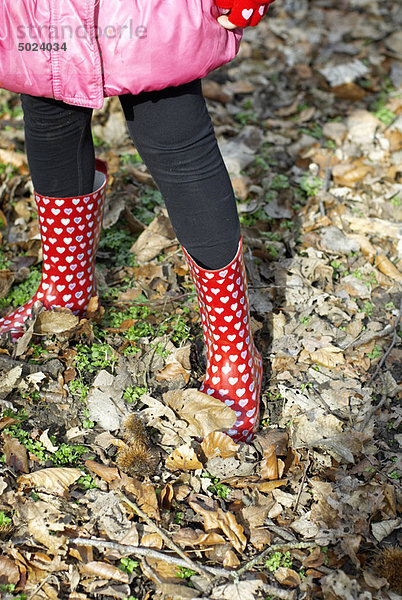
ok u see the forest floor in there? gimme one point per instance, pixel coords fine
(98, 505)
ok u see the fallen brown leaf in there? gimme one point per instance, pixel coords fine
(230, 559)
(218, 443)
(349, 174)
(384, 265)
(232, 529)
(152, 540)
(269, 464)
(244, 590)
(216, 518)
(58, 320)
(155, 238)
(6, 281)
(145, 496)
(268, 486)
(349, 91)
(103, 570)
(9, 572)
(55, 480)
(183, 458)
(286, 576)
(38, 528)
(166, 497)
(203, 413)
(278, 437)
(16, 454)
(196, 537)
(106, 473)
(260, 537)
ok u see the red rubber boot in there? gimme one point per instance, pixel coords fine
(70, 230)
(234, 365)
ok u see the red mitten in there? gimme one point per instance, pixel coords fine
(244, 12)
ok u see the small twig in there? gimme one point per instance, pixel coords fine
(208, 572)
(375, 408)
(39, 587)
(167, 300)
(169, 543)
(393, 342)
(306, 466)
(362, 340)
(326, 185)
(151, 553)
(335, 413)
(394, 482)
(281, 532)
(328, 172)
(286, 546)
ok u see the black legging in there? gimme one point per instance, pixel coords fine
(174, 135)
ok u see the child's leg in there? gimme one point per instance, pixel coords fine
(174, 135)
(62, 163)
(59, 146)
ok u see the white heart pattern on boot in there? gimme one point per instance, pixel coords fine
(61, 257)
(234, 365)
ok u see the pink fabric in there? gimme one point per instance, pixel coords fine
(127, 46)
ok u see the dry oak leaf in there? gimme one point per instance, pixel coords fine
(162, 571)
(203, 413)
(207, 508)
(164, 575)
(348, 174)
(384, 265)
(106, 473)
(177, 364)
(255, 516)
(172, 371)
(155, 238)
(279, 438)
(315, 559)
(330, 356)
(286, 576)
(268, 486)
(196, 537)
(152, 540)
(54, 480)
(260, 537)
(9, 572)
(230, 559)
(103, 570)
(269, 464)
(232, 529)
(218, 443)
(383, 529)
(183, 458)
(6, 281)
(56, 321)
(37, 527)
(245, 590)
(131, 538)
(145, 496)
(16, 454)
(216, 518)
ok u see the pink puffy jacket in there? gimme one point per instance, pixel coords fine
(80, 51)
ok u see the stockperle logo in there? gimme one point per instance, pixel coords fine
(127, 30)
